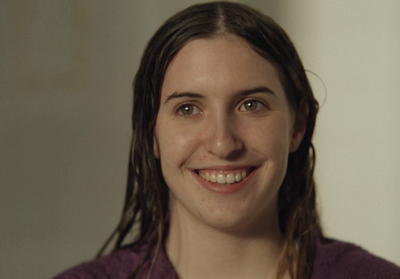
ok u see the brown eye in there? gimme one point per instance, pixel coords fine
(250, 105)
(188, 109)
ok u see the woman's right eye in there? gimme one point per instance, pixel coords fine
(188, 109)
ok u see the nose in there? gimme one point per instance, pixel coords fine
(223, 138)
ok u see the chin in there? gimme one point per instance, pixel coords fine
(238, 217)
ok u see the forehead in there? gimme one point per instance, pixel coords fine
(225, 61)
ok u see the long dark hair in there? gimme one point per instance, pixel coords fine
(146, 201)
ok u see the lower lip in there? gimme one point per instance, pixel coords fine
(225, 188)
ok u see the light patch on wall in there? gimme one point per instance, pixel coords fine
(52, 45)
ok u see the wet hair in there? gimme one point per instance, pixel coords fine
(146, 201)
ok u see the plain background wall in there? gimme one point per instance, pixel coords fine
(65, 106)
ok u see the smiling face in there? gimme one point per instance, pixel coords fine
(223, 134)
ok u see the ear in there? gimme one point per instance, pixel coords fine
(156, 148)
(299, 127)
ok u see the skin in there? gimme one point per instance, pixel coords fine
(218, 127)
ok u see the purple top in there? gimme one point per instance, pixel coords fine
(334, 260)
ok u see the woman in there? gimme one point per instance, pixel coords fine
(221, 170)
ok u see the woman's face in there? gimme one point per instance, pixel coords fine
(223, 134)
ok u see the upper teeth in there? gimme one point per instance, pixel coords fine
(221, 178)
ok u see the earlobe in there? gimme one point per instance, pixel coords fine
(299, 128)
(155, 148)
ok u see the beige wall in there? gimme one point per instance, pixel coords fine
(65, 105)
(354, 47)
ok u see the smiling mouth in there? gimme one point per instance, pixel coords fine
(225, 177)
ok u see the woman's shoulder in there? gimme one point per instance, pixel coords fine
(338, 259)
(120, 264)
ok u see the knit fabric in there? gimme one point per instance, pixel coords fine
(334, 260)
(120, 264)
(340, 260)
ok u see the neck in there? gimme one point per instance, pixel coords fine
(197, 250)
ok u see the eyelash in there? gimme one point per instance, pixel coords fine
(179, 112)
(258, 102)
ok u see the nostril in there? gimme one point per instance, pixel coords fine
(224, 143)
(235, 155)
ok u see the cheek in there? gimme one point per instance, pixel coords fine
(270, 137)
(177, 142)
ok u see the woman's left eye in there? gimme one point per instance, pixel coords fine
(251, 105)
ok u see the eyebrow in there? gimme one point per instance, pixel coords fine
(246, 92)
(259, 89)
(183, 94)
